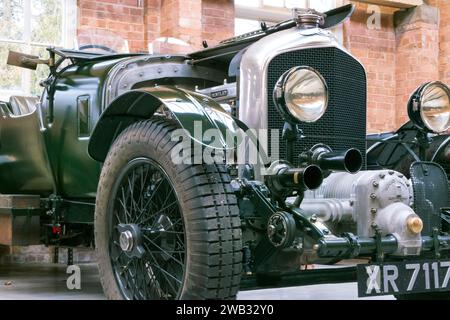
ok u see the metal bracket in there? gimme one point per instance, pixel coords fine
(410, 151)
(247, 260)
(436, 244)
(355, 247)
(264, 250)
(445, 214)
(379, 253)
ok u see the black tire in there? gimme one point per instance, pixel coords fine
(212, 252)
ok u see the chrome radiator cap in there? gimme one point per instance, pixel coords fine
(308, 18)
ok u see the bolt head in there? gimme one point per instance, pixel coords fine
(235, 184)
(271, 229)
(126, 241)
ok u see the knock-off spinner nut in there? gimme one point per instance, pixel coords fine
(126, 241)
(414, 224)
(271, 229)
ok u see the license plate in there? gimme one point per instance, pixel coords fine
(403, 278)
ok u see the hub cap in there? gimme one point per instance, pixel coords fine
(126, 241)
(147, 235)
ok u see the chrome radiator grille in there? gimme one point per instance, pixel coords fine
(344, 124)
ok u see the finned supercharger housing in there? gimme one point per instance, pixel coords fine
(365, 202)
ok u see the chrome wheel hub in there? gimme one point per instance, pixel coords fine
(130, 240)
(126, 241)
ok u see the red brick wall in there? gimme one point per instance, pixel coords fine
(152, 16)
(182, 20)
(444, 56)
(398, 59)
(417, 62)
(217, 20)
(141, 22)
(376, 50)
(103, 18)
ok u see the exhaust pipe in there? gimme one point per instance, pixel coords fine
(283, 179)
(350, 161)
(309, 178)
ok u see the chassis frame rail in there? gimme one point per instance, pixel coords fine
(351, 246)
(301, 278)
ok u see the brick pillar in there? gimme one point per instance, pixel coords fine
(152, 19)
(417, 36)
(444, 58)
(217, 20)
(375, 48)
(182, 20)
(142, 22)
(102, 20)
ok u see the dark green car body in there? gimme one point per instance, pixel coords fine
(56, 149)
(55, 154)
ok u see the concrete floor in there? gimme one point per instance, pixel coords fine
(48, 282)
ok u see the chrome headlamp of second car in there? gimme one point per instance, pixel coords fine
(429, 107)
(301, 94)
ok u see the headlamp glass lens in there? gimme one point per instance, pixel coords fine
(435, 107)
(306, 95)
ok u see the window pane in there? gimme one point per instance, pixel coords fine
(248, 3)
(242, 26)
(46, 21)
(274, 3)
(296, 4)
(322, 5)
(11, 19)
(10, 77)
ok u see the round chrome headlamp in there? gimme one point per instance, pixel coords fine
(429, 107)
(301, 94)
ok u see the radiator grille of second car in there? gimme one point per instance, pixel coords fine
(344, 124)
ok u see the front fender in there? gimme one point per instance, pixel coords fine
(191, 110)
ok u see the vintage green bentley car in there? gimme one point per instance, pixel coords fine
(238, 166)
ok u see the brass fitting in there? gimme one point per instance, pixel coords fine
(414, 224)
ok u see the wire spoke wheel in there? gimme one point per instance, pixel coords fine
(147, 234)
(165, 230)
